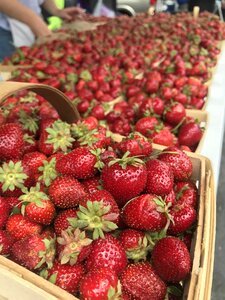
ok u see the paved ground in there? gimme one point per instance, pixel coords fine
(218, 292)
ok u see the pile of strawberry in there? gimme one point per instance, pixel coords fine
(99, 218)
(178, 47)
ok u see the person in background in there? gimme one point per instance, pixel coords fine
(21, 22)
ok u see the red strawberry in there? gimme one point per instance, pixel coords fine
(186, 193)
(80, 163)
(171, 259)
(34, 251)
(179, 162)
(135, 144)
(139, 281)
(66, 192)
(65, 276)
(190, 134)
(34, 160)
(184, 216)
(5, 211)
(135, 244)
(163, 137)
(160, 177)
(6, 242)
(145, 212)
(11, 141)
(61, 221)
(19, 227)
(124, 178)
(108, 253)
(92, 185)
(174, 113)
(146, 125)
(99, 284)
(37, 206)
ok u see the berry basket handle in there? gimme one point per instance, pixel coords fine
(66, 110)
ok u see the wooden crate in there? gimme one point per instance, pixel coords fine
(197, 286)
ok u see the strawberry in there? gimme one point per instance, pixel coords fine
(124, 178)
(92, 185)
(163, 137)
(190, 134)
(108, 253)
(65, 276)
(135, 244)
(6, 242)
(19, 227)
(34, 160)
(61, 221)
(146, 125)
(186, 193)
(145, 212)
(135, 144)
(5, 211)
(171, 259)
(183, 216)
(33, 252)
(139, 281)
(179, 161)
(81, 163)
(99, 284)
(66, 192)
(11, 141)
(160, 177)
(174, 113)
(37, 206)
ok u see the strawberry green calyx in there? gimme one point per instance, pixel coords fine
(86, 75)
(48, 171)
(48, 255)
(89, 138)
(73, 240)
(99, 164)
(32, 196)
(28, 139)
(29, 122)
(115, 293)
(12, 176)
(29, 98)
(154, 237)
(96, 218)
(79, 130)
(59, 136)
(141, 252)
(127, 160)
